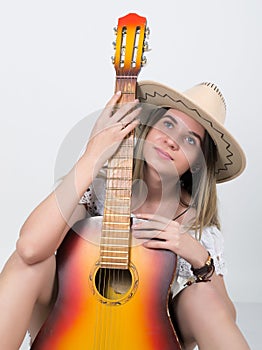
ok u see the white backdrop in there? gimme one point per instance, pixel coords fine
(55, 69)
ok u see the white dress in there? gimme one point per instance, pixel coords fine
(212, 238)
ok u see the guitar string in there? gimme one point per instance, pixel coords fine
(119, 275)
(108, 318)
(114, 319)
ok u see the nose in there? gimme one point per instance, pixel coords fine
(171, 142)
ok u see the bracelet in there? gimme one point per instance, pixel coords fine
(203, 274)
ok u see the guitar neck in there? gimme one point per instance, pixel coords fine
(128, 59)
(127, 85)
(115, 238)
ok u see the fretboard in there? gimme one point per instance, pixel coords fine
(115, 238)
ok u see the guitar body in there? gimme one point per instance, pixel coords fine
(130, 314)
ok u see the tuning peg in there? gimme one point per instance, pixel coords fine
(114, 44)
(147, 32)
(144, 61)
(146, 47)
(115, 30)
(113, 59)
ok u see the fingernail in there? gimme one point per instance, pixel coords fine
(119, 93)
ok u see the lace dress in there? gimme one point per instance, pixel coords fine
(212, 238)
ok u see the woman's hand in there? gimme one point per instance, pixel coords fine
(158, 232)
(111, 128)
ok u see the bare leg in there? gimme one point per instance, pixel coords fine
(22, 287)
(204, 317)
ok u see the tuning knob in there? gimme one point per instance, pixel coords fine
(146, 47)
(115, 30)
(114, 45)
(147, 32)
(144, 61)
(113, 59)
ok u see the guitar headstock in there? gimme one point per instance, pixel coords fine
(130, 45)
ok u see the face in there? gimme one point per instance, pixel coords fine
(173, 145)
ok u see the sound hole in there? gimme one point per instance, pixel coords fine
(113, 283)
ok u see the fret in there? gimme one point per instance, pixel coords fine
(129, 89)
(117, 207)
(119, 178)
(119, 182)
(118, 164)
(127, 93)
(126, 143)
(113, 245)
(113, 251)
(122, 176)
(117, 215)
(126, 148)
(125, 221)
(116, 223)
(120, 157)
(125, 224)
(112, 189)
(122, 202)
(115, 230)
(118, 220)
(119, 192)
(119, 168)
(115, 238)
(115, 257)
(110, 263)
(117, 189)
(118, 199)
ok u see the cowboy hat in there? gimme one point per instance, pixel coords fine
(204, 103)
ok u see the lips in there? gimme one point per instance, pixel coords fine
(163, 154)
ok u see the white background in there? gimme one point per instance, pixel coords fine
(55, 69)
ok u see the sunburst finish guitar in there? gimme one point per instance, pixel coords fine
(113, 294)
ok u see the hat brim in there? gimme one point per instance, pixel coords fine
(231, 158)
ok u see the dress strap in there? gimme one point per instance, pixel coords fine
(183, 212)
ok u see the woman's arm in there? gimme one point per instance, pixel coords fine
(49, 222)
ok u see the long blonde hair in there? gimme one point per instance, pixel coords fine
(200, 185)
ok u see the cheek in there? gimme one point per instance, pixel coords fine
(152, 135)
(192, 153)
(185, 160)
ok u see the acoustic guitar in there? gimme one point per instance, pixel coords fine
(112, 293)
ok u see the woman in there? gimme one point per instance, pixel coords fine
(182, 150)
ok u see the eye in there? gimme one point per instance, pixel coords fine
(168, 124)
(190, 140)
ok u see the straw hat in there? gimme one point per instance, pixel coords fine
(204, 103)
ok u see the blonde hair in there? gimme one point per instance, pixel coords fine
(200, 185)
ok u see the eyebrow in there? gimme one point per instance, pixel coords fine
(190, 131)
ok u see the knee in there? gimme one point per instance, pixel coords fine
(16, 264)
(28, 251)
